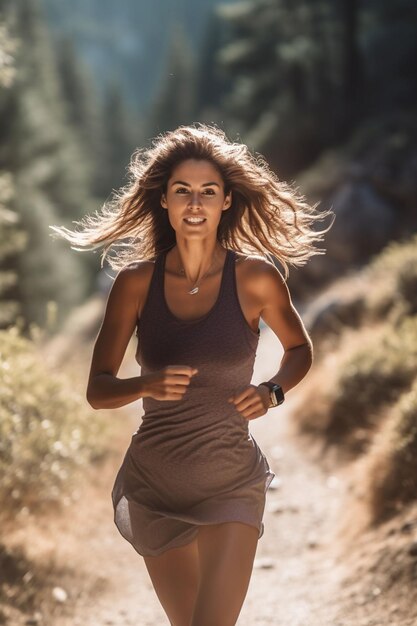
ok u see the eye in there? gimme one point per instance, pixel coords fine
(181, 190)
(210, 192)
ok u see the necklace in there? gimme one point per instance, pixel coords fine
(196, 287)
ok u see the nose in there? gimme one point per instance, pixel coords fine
(194, 200)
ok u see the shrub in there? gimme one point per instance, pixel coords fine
(392, 476)
(373, 377)
(392, 278)
(384, 291)
(47, 433)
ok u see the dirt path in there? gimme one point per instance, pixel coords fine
(295, 579)
(298, 574)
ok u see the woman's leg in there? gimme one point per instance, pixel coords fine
(175, 577)
(226, 553)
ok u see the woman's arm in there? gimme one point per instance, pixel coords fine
(274, 304)
(279, 314)
(124, 306)
(104, 389)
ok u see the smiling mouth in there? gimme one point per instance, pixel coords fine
(194, 220)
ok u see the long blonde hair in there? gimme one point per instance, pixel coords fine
(267, 216)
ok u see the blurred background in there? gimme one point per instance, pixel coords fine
(326, 91)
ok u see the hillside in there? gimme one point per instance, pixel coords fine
(339, 547)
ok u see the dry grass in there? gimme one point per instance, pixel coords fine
(364, 330)
(361, 397)
(48, 434)
(349, 388)
(385, 291)
(391, 476)
(373, 377)
(392, 281)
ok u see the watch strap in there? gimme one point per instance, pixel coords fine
(275, 392)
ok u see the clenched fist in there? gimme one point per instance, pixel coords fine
(170, 383)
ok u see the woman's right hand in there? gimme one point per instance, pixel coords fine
(170, 383)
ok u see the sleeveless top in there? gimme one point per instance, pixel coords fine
(222, 345)
(192, 461)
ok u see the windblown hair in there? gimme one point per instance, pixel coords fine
(267, 216)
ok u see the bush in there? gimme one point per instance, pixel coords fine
(392, 278)
(384, 291)
(47, 434)
(374, 377)
(393, 460)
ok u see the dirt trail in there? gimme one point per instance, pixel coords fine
(298, 574)
(294, 580)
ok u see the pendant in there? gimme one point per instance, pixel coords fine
(193, 291)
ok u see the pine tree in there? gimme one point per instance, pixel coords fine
(12, 240)
(389, 41)
(50, 184)
(210, 82)
(84, 112)
(271, 61)
(122, 134)
(175, 101)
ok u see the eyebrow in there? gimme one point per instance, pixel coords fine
(181, 182)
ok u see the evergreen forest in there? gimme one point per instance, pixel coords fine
(83, 84)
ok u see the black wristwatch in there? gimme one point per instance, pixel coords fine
(276, 394)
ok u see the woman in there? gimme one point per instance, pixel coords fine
(203, 216)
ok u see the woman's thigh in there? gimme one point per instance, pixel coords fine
(227, 552)
(175, 577)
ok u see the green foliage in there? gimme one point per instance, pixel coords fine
(48, 270)
(47, 437)
(8, 46)
(12, 241)
(42, 150)
(303, 75)
(210, 84)
(85, 114)
(385, 22)
(394, 460)
(120, 134)
(45, 162)
(174, 103)
(283, 65)
(372, 378)
(129, 41)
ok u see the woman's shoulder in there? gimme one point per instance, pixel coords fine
(138, 267)
(134, 279)
(257, 275)
(136, 272)
(254, 264)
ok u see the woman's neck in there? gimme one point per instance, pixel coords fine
(195, 259)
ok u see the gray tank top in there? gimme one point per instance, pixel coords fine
(203, 426)
(192, 461)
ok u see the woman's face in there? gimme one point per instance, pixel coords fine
(195, 198)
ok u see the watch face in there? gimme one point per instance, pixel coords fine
(277, 393)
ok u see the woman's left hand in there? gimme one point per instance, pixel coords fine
(252, 402)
